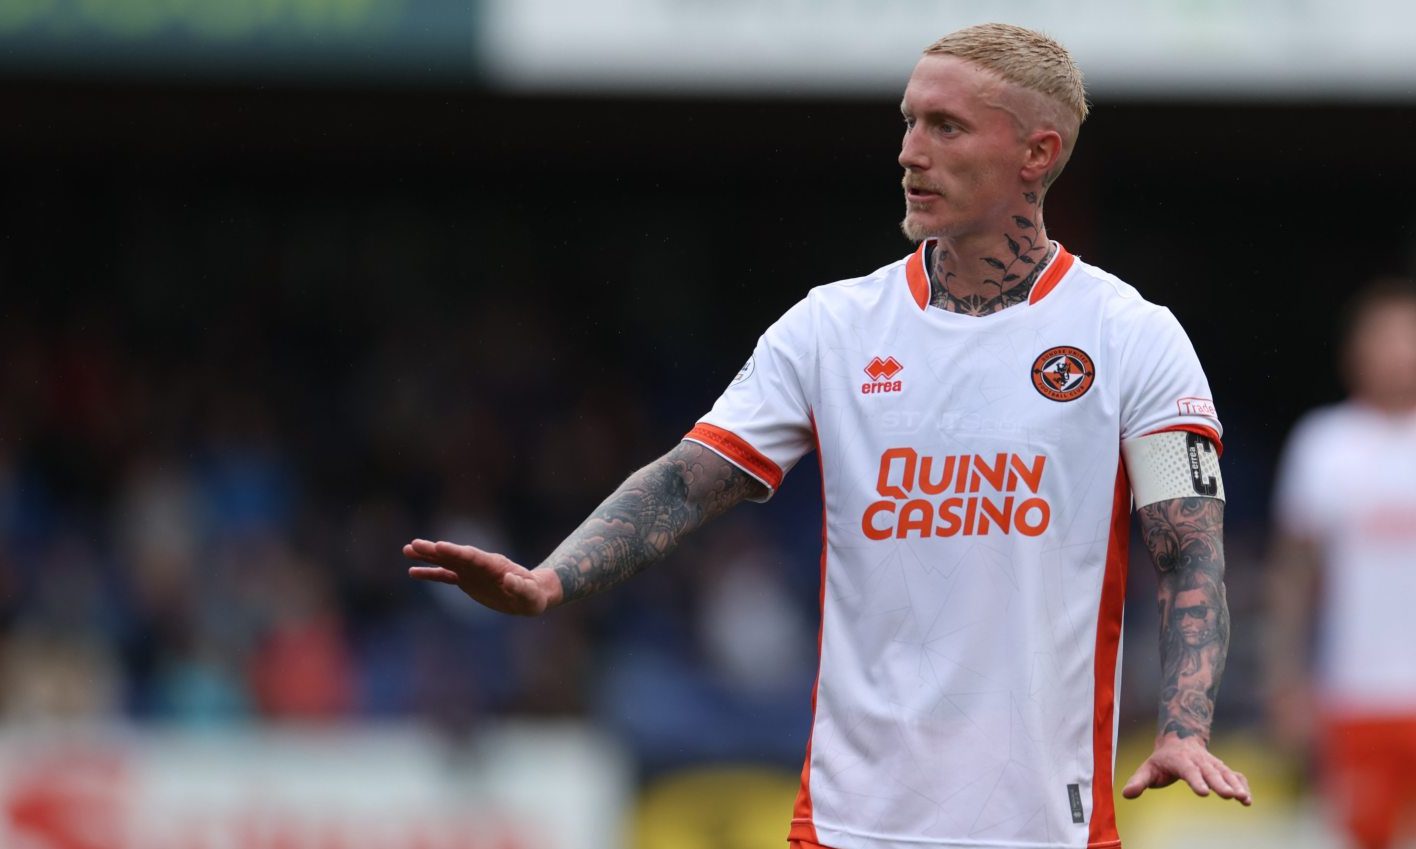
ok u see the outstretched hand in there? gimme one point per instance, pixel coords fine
(489, 579)
(1187, 758)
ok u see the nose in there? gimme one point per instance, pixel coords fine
(912, 155)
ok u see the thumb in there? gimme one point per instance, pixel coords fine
(519, 582)
(532, 593)
(1140, 780)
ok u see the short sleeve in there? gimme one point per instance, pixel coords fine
(762, 421)
(1163, 387)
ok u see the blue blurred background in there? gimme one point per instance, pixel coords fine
(288, 283)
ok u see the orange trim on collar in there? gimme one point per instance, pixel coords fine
(1061, 264)
(919, 279)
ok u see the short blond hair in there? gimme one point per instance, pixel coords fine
(1029, 60)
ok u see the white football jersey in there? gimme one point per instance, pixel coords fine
(1348, 482)
(974, 555)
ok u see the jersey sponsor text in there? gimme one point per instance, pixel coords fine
(983, 494)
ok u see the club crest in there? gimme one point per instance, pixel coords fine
(1063, 373)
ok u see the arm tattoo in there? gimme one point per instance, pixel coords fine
(1013, 277)
(1184, 536)
(645, 518)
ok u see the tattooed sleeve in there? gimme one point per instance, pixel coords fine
(1184, 536)
(645, 518)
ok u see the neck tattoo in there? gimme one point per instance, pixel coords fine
(1017, 292)
(1027, 255)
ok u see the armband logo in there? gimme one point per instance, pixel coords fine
(746, 371)
(1063, 373)
(1200, 482)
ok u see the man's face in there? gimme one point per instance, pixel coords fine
(1382, 355)
(962, 151)
(1196, 616)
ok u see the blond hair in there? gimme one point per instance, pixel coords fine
(1031, 61)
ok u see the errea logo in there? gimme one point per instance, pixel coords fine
(882, 376)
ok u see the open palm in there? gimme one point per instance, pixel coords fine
(490, 579)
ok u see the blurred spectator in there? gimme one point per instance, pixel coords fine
(1345, 556)
(715, 668)
(203, 492)
(756, 641)
(301, 666)
(48, 676)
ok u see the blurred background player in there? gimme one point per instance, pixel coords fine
(1344, 560)
(968, 662)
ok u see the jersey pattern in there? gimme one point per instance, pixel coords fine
(974, 543)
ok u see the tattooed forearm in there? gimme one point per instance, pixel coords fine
(645, 518)
(1185, 538)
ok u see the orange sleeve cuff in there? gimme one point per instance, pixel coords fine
(736, 449)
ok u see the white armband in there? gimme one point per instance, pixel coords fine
(1172, 464)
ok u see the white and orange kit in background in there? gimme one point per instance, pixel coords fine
(1347, 483)
(973, 564)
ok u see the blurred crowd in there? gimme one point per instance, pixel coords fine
(205, 486)
(203, 497)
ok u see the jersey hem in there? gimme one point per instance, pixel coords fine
(826, 837)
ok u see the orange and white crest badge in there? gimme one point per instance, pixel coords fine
(1063, 373)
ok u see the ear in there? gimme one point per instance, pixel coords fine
(1042, 153)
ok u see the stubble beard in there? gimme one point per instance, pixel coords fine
(915, 231)
(912, 231)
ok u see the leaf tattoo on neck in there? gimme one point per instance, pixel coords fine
(1012, 277)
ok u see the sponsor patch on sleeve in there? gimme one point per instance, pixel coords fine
(1197, 407)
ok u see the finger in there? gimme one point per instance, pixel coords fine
(1193, 777)
(1138, 782)
(427, 551)
(470, 553)
(433, 573)
(1236, 782)
(428, 548)
(1240, 785)
(456, 557)
(411, 553)
(1214, 776)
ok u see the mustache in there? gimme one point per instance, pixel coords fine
(918, 185)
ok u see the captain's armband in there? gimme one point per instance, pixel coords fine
(1172, 464)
